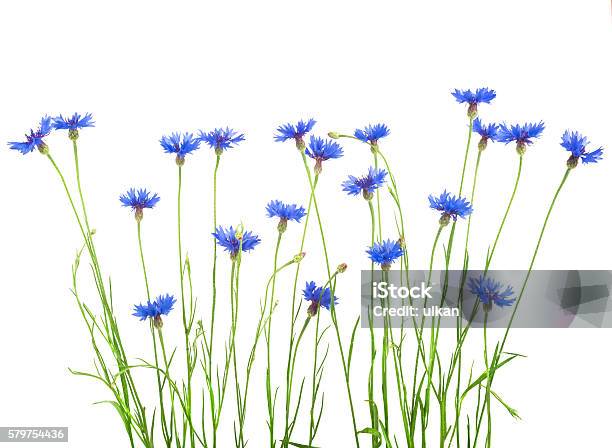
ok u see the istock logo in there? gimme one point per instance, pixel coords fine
(383, 290)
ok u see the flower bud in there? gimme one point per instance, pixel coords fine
(333, 135)
(299, 257)
(342, 267)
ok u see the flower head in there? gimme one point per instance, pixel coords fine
(576, 144)
(482, 95)
(317, 296)
(221, 139)
(139, 200)
(34, 139)
(522, 134)
(450, 206)
(321, 150)
(385, 253)
(74, 123)
(232, 240)
(285, 212)
(178, 144)
(162, 305)
(490, 292)
(366, 184)
(486, 131)
(296, 131)
(372, 133)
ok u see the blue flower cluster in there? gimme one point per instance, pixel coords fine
(296, 132)
(490, 292)
(576, 144)
(34, 139)
(385, 253)
(486, 131)
(284, 212)
(473, 99)
(221, 139)
(162, 305)
(138, 200)
(365, 185)
(372, 133)
(318, 297)
(179, 144)
(321, 150)
(74, 123)
(522, 134)
(450, 206)
(232, 241)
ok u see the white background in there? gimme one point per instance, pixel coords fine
(148, 68)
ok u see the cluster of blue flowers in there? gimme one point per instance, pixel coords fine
(284, 212)
(162, 305)
(138, 200)
(385, 253)
(490, 292)
(318, 297)
(451, 206)
(233, 241)
(365, 185)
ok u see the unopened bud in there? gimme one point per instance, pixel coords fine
(299, 257)
(342, 267)
(333, 135)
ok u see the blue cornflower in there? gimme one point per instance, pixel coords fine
(486, 131)
(490, 292)
(385, 253)
(34, 139)
(298, 131)
(372, 133)
(74, 123)
(221, 139)
(317, 296)
(321, 150)
(450, 206)
(230, 240)
(178, 144)
(482, 95)
(139, 200)
(523, 134)
(163, 304)
(366, 184)
(575, 143)
(285, 212)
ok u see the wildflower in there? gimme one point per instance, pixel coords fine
(486, 131)
(385, 253)
(523, 134)
(490, 292)
(285, 212)
(181, 145)
(482, 95)
(138, 200)
(297, 132)
(232, 240)
(34, 140)
(321, 150)
(163, 304)
(450, 206)
(317, 296)
(366, 184)
(576, 144)
(372, 133)
(342, 267)
(73, 124)
(221, 139)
